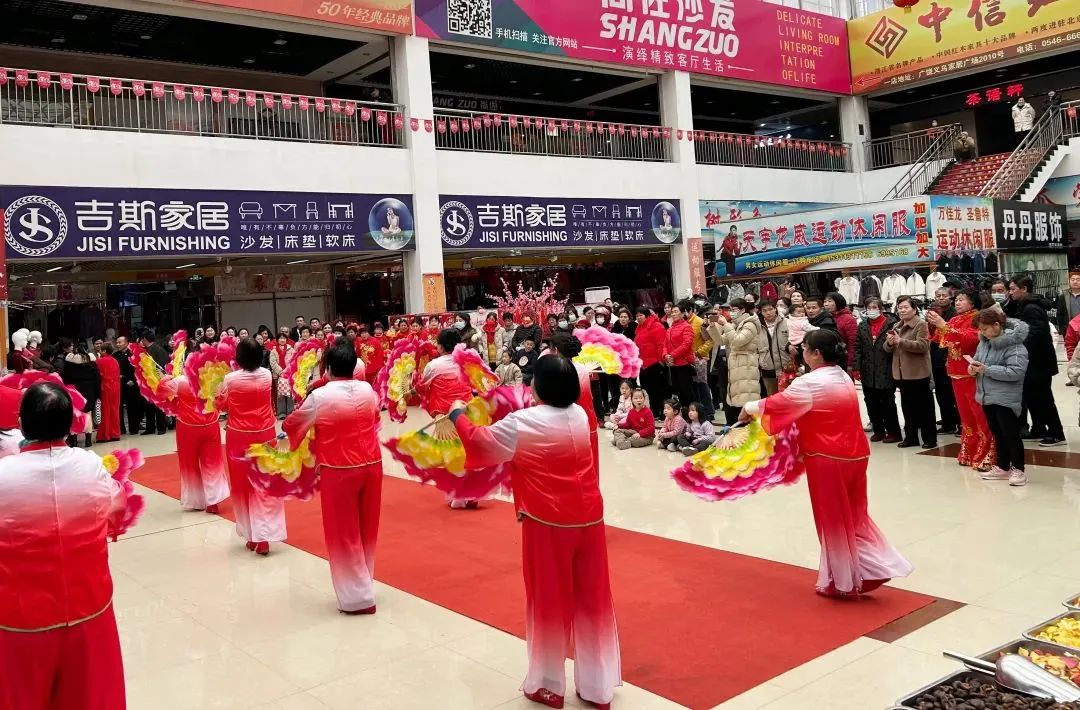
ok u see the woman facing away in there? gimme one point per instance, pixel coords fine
(855, 556)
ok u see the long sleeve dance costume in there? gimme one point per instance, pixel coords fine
(198, 450)
(960, 337)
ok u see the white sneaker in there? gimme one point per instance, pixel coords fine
(672, 447)
(1017, 478)
(868, 427)
(995, 474)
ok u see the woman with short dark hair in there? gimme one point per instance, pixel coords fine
(909, 343)
(999, 367)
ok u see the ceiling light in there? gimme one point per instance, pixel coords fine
(78, 17)
(185, 266)
(763, 125)
(576, 79)
(513, 81)
(647, 103)
(709, 103)
(733, 113)
(145, 37)
(537, 93)
(774, 101)
(281, 42)
(470, 65)
(788, 128)
(55, 268)
(298, 261)
(58, 40)
(249, 60)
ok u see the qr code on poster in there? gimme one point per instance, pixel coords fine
(469, 17)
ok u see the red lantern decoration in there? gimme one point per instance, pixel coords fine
(906, 4)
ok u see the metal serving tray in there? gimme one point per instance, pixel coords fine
(908, 701)
(1072, 603)
(1030, 633)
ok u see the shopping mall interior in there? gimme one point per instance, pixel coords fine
(169, 166)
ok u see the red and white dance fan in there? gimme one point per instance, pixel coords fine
(25, 380)
(300, 371)
(744, 460)
(205, 370)
(120, 464)
(178, 343)
(607, 352)
(150, 378)
(474, 371)
(396, 378)
(281, 471)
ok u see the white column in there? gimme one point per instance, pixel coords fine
(412, 87)
(676, 111)
(855, 128)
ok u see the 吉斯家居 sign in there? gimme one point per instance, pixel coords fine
(91, 222)
(483, 222)
(750, 39)
(896, 47)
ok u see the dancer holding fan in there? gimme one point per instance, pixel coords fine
(855, 556)
(564, 549)
(344, 415)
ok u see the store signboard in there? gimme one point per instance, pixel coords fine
(1064, 191)
(717, 216)
(878, 234)
(896, 46)
(105, 222)
(485, 222)
(1029, 226)
(962, 224)
(385, 15)
(749, 40)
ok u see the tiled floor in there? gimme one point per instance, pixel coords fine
(206, 625)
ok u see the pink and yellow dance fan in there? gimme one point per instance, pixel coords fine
(607, 352)
(744, 460)
(205, 370)
(150, 377)
(434, 453)
(301, 370)
(397, 377)
(178, 343)
(120, 464)
(281, 471)
(29, 378)
(474, 371)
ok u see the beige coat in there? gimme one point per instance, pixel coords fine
(911, 360)
(744, 377)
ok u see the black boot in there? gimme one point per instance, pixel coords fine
(88, 440)
(72, 441)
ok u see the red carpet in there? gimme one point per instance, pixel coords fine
(696, 625)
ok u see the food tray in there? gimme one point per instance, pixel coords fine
(1014, 646)
(1030, 633)
(1072, 603)
(908, 701)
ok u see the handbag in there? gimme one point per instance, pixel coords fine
(701, 370)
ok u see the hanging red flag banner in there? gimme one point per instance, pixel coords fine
(303, 103)
(487, 121)
(3, 76)
(157, 89)
(564, 125)
(527, 122)
(477, 124)
(454, 125)
(268, 100)
(428, 125)
(250, 99)
(1071, 112)
(320, 105)
(589, 127)
(600, 128)
(466, 125)
(233, 96)
(513, 121)
(335, 105)
(116, 87)
(93, 84)
(690, 136)
(381, 118)
(179, 92)
(216, 94)
(350, 108)
(577, 126)
(66, 82)
(398, 122)
(622, 130)
(666, 132)
(365, 114)
(678, 134)
(22, 78)
(497, 120)
(414, 124)
(286, 102)
(198, 93)
(138, 88)
(712, 137)
(633, 131)
(655, 131)
(44, 78)
(739, 140)
(440, 126)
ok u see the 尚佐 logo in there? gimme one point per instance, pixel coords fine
(457, 223)
(886, 36)
(35, 225)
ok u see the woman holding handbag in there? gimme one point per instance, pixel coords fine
(773, 355)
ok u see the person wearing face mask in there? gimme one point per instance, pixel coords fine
(836, 306)
(909, 343)
(1025, 305)
(605, 387)
(773, 355)
(740, 337)
(873, 367)
(472, 337)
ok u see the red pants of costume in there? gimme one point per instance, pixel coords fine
(976, 441)
(351, 501)
(259, 517)
(594, 444)
(109, 427)
(62, 669)
(568, 597)
(202, 466)
(855, 556)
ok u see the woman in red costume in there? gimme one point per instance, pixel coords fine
(260, 519)
(564, 548)
(198, 450)
(960, 337)
(370, 352)
(569, 346)
(855, 556)
(109, 372)
(59, 647)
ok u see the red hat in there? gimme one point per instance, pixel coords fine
(10, 399)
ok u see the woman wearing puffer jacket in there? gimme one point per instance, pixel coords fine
(999, 367)
(740, 336)
(773, 355)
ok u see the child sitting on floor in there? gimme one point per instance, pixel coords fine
(624, 406)
(638, 427)
(699, 433)
(674, 425)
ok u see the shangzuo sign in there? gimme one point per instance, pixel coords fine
(89, 222)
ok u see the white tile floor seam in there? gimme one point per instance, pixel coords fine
(205, 624)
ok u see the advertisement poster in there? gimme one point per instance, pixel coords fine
(962, 224)
(434, 293)
(386, 15)
(896, 47)
(481, 222)
(717, 216)
(1064, 191)
(107, 222)
(1029, 226)
(856, 236)
(697, 265)
(750, 40)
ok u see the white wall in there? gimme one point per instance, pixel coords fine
(876, 183)
(721, 182)
(1070, 165)
(31, 155)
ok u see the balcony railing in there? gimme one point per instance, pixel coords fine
(926, 168)
(1049, 131)
(531, 135)
(903, 148)
(39, 98)
(768, 152)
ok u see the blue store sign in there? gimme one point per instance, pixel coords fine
(483, 222)
(98, 223)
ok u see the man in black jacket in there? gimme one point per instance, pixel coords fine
(155, 418)
(943, 391)
(528, 330)
(131, 402)
(1068, 303)
(1042, 362)
(818, 316)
